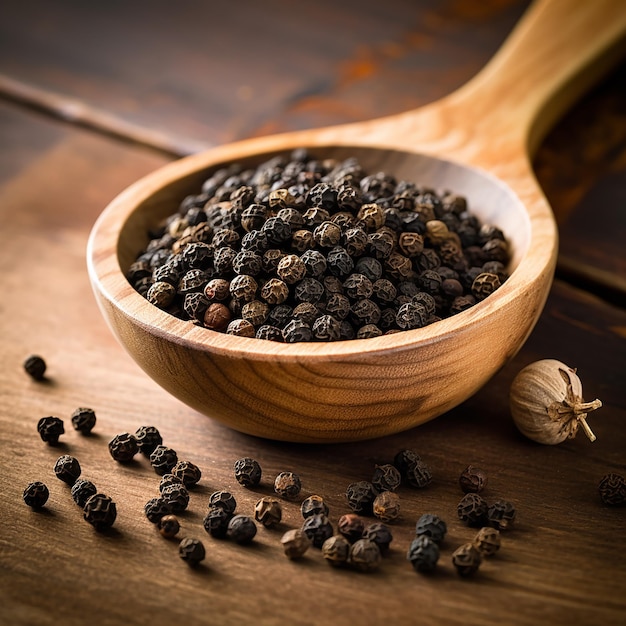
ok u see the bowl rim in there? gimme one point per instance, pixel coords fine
(109, 281)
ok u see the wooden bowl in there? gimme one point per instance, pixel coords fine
(476, 142)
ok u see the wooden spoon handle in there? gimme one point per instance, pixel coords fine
(555, 52)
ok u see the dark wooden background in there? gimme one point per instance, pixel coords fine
(95, 95)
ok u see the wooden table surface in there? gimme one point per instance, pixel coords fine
(95, 95)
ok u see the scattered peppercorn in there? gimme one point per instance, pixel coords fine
(67, 469)
(123, 447)
(317, 528)
(386, 506)
(386, 478)
(82, 490)
(351, 526)
(418, 475)
(361, 496)
(247, 472)
(466, 559)
(191, 551)
(313, 505)
(472, 480)
(177, 496)
(364, 555)
(335, 550)
(241, 529)
(163, 459)
(148, 438)
(472, 510)
(224, 500)
(287, 485)
(35, 367)
(83, 420)
(295, 543)
(487, 540)
(168, 526)
(423, 554)
(431, 526)
(36, 494)
(156, 508)
(612, 490)
(501, 514)
(100, 511)
(268, 511)
(167, 480)
(189, 473)
(50, 429)
(215, 522)
(380, 534)
(404, 458)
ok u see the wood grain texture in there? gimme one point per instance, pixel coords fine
(561, 564)
(225, 72)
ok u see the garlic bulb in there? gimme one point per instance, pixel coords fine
(547, 404)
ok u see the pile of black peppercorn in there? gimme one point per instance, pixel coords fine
(303, 249)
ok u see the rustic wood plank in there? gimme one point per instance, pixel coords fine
(208, 73)
(560, 564)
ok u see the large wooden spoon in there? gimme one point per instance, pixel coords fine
(478, 141)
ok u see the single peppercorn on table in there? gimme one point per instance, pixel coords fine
(80, 120)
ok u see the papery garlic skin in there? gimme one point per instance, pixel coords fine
(546, 402)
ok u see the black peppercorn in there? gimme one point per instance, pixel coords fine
(612, 490)
(418, 475)
(268, 511)
(176, 496)
(100, 511)
(82, 490)
(313, 505)
(224, 500)
(189, 473)
(35, 367)
(83, 420)
(364, 555)
(405, 458)
(380, 534)
(241, 529)
(36, 494)
(472, 510)
(335, 550)
(123, 447)
(168, 526)
(156, 508)
(423, 554)
(472, 480)
(501, 514)
(431, 526)
(466, 559)
(248, 472)
(191, 551)
(148, 438)
(351, 526)
(67, 469)
(167, 480)
(295, 543)
(386, 506)
(317, 528)
(50, 429)
(487, 541)
(215, 522)
(288, 485)
(360, 496)
(163, 459)
(386, 478)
